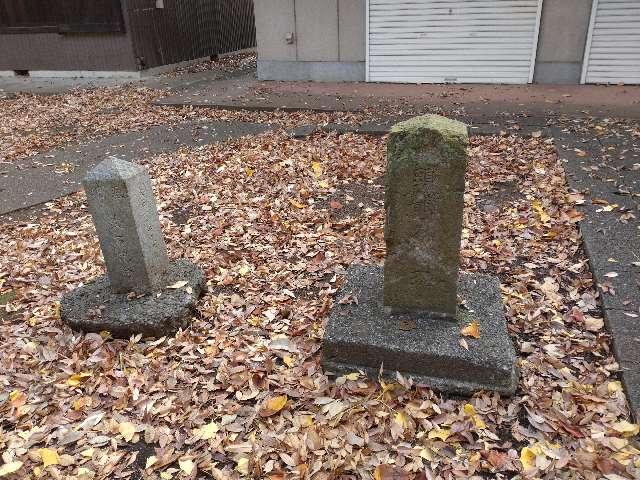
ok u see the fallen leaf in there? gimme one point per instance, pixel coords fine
(389, 472)
(178, 284)
(527, 458)
(317, 169)
(273, 406)
(207, 431)
(441, 433)
(77, 378)
(593, 324)
(471, 330)
(49, 457)
(9, 468)
(186, 465)
(626, 428)
(243, 466)
(127, 430)
(611, 274)
(401, 419)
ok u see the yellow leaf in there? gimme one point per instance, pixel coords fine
(207, 431)
(273, 406)
(166, 475)
(378, 473)
(528, 458)
(289, 361)
(295, 204)
(317, 168)
(152, 460)
(352, 376)
(627, 429)
(471, 330)
(88, 453)
(9, 468)
(323, 184)
(441, 433)
(77, 378)
(127, 430)
(306, 420)
(244, 269)
(401, 419)
(80, 403)
(250, 172)
(479, 423)
(243, 466)
(468, 409)
(85, 473)
(613, 387)
(49, 457)
(537, 207)
(186, 465)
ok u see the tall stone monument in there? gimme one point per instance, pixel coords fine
(143, 292)
(408, 317)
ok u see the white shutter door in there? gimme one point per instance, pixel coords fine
(613, 46)
(462, 41)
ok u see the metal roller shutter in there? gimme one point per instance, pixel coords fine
(612, 54)
(458, 41)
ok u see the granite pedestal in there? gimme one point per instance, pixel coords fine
(365, 335)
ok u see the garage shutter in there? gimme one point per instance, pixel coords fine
(461, 41)
(613, 47)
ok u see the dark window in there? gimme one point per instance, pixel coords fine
(61, 16)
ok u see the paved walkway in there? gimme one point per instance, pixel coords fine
(49, 175)
(246, 92)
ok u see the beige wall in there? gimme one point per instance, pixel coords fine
(563, 33)
(323, 30)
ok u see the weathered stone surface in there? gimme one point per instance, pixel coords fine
(364, 335)
(124, 212)
(424, 197)
(95, 307)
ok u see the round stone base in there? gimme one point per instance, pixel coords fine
(95, 308)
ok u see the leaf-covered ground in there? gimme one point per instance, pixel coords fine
(274, 222)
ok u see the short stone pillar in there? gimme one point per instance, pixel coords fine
(406, 317)
(143, 292)
(124, 213)
(424, 197)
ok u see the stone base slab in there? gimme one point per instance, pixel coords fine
(94, 308)
(364, 335)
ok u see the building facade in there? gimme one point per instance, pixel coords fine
(111, 37)
(449, 41)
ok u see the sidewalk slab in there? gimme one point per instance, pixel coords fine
(49, 175)
(248, 93)
(603, 168)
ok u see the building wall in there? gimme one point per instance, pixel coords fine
(563, 34)
(310, 39)
(70, 52)
(328, 40)
(178, 31)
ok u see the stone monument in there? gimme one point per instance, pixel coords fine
(143, 291)
(408, 317)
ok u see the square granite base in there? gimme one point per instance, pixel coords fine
(364, 335)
